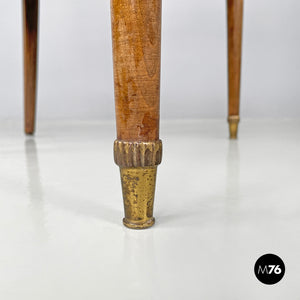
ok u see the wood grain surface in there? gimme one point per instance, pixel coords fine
(30, 30)
(136, 33)
(235, 22)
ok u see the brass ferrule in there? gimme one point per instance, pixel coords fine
(138, 187)
(138, 163)
(137, 154)
(233, 126)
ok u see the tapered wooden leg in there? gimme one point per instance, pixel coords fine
(136, 33)
(30, 33)
(235, 22)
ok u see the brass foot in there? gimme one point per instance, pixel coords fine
(138, 163)
(233, 126)
(138, 186)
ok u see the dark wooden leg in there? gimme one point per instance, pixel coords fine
(30, 32)
(235, 22)
(136, 32)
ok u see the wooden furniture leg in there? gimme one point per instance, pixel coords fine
(235, 21)
(30, 32)
(136, 33)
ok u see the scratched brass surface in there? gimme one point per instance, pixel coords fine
(138, 186)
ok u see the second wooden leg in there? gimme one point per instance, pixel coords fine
(235, 22)
(30, 33)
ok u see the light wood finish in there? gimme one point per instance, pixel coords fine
(30, 33)
(235, 22)
(136, 33)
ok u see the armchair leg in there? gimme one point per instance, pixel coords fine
(30, 32)
(235, 21)
(136, 32)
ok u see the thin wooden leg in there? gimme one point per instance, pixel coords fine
(30, 29)
(235, 22)
(136, 32)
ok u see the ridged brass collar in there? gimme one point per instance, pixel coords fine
(137, 154)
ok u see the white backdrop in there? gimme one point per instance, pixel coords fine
(75, 69)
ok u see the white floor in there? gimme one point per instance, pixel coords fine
(219, 206)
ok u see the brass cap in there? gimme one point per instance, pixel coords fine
(233, 126)
(138, 186)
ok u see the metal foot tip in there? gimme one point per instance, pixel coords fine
(138, 185)
(138, 225)
(233, 126)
